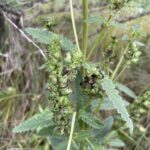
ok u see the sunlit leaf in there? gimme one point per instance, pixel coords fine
(116, 99)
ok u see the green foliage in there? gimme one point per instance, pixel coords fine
(76, 85)
(113, 95)
(91, 120)
(62, 71)
(46, 37)
(38, 121)
(117, 143)
(125, 90)
(108, 105)
(41, 35)
(107, 126)
(140, 107)
(78, 96)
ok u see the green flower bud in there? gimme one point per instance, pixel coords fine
(68, 58)
(66, 91)
(56, 55)
(64, 101)
(135, 60)
(137, 54)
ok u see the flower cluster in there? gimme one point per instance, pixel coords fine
(141, 106)
(62, 68)
(90, 83)
(133, 54)
(109, 53)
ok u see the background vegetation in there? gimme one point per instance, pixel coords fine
(23, 82)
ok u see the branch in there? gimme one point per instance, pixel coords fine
(24, 35)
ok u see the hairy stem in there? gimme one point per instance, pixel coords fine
(85, 26)
(119, 64)
(125, 136)
(97, 42)
(73, 25)
(100, 37)
(120, 73)
(71, 131)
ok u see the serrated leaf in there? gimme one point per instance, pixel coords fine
(67, 44)
(41, 120)
(45, 37)
(126, 90)
(91, 120)
(108, 105)
(113, 95)
(107, 126)
(40, 35)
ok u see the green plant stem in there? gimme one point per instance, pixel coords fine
(99, 105)
(88, 141)
(97, 42)
(119, 64)
(85, 26)
(120, 73)
(125, 136)
(73, 25)
(72, 129)
(100, 37)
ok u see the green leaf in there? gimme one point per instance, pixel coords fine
(80, 135)
(113, 95)
(108, 105)
(41, 35)
(41, 120)
(60, 142)
(109, 137)
(67, 44)
(107, 126)
(45, 37)
(117, 143)
(91, 120)
(126, 90)
(78, 96)
(46, 131)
